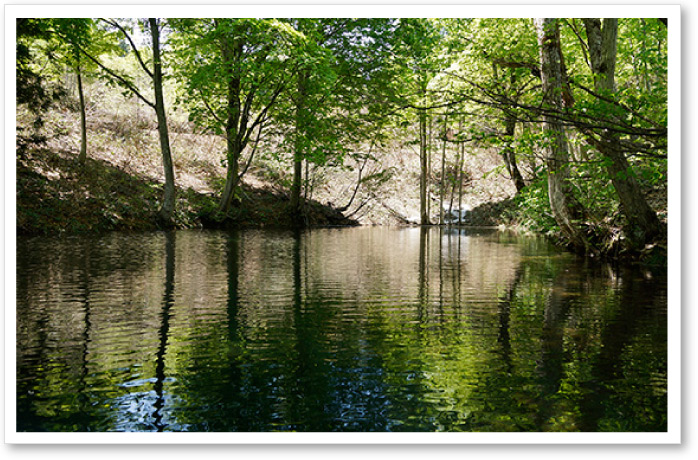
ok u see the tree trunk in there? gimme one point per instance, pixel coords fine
(168, 203)
(443, 172)
(82, 157)
(234, 146)
(298, 145)
(232, 172)
(430, 155)
(424, 170)
(457, 171)
(642, 221)
(566, 209)
(460, 183)
(510, 156)
(509, 131)
(296, 185)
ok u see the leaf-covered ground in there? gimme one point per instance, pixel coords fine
(56, 195)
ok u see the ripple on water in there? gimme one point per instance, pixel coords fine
(334, 330)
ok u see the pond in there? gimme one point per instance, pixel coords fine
(358, 329)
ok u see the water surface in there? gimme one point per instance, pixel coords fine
(362, 329)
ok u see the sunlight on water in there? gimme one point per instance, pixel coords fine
(365, 329)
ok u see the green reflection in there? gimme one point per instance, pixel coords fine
(335, 330)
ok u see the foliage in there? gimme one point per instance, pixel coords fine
(263, 65)
(35, 90)
(534, 207)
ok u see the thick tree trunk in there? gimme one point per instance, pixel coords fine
(82, 157)
(566, 209)
(168, 203)
(642, 221)
(232, 173)
(234, 145)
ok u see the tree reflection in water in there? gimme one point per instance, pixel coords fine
(335, 330)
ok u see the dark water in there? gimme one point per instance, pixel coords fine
(367, 329)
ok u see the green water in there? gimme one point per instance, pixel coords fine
(362, 329)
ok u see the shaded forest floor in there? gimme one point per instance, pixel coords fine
(57, 195)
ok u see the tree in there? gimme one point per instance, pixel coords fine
(628, 118)
(491, 74)
(566, 209)
(166, 213)
(509, 47)
(77, 32)
(311, 101)
(643, 224)
(168, 202)
(419, 59)
(233, 72)
(508, 151)
(444, 140)
(60, 41)
(342, 94)
(78, 35)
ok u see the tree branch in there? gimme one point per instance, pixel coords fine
(254, 149)
(581, 42)
(128, 85)
(535, 70)
(209, 108)
(133, 45)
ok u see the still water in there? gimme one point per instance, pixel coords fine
(361, 329)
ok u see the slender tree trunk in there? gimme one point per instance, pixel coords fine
(430, 154)
(168, 203)
(566, 209)
(460, 183)
(457, 172)
(424, 170)
(82, 157)
(443, 172)
(298, 145)
(307, 183)
(296, 185)
(642, 221)
(510, 156)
